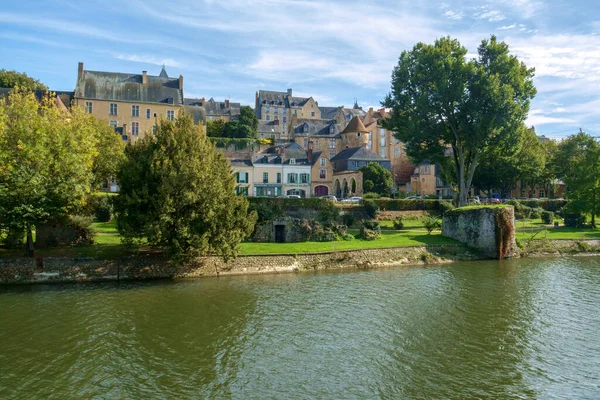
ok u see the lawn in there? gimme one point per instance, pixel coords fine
(557, 233)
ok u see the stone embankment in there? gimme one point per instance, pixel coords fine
(47, 270)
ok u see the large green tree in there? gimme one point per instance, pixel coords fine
(178, 193)
(47, 157)
(215, 128)
(377, 179)
(14, 79)
(441, 101)
(577, 163)
(501, 170)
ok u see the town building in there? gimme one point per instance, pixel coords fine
(213, 110)
(272, 105)
(268, 173)
(243, 170)
(131, 103)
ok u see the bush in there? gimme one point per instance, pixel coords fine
(547, 217)
(521, 211)
(446, 206)
(370, 230)
(574, 220)
(348, 219)
(323, 235)
(536, 213)
(348, 237)
(431, 223)
(103, 209)
(412, 205)
(74, 230)
(398, 224)
(371, 208)
(370, 195)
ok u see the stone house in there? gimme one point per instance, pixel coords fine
(267, 174)
(213, 110)
(296, 170)
(272, 105)
(131, 103)
(243, 171)
(321, 173)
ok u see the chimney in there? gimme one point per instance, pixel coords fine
(256, 100)
(371, 109)
(203, 100)
(282, 151)
(180, 82)
(80, 71)
(289, 92)
(309, 152)
(226, 103)
(144, 78)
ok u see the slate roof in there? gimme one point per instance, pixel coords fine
(241, 163)
(357, 153)
(291, 150)
(269, 126)
(214, 108)
(316, 156)
(319, 127)
(281, 99)
(328, 112)
(118, 86)
(297, 152)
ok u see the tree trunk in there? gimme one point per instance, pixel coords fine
(594, 208)
(29, 250)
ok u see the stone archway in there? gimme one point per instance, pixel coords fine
(321, 190)
(337, 189)
(353, 186)
(345, 190)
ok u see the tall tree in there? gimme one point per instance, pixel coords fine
(440, 100)
(110, 149)
(577, 162)
(377, 179)
(14, 79)
(215, 128)
(178, 193)
(46, 161)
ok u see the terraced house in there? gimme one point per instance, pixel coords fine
(130, 102)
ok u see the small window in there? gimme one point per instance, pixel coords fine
(312, 114)
(284, 111)
(370, 144)
(268, 118)
(268, 109)
(135, 128)
(304, 178)
(279, 177)
(322, 173)
(358, 134)
(284, 119)
(154, 129)
(292, 161)
(275, 110)
(355, 164)
(331, 129)
(113, 109)
(147, 113)
(331, 154)
(88, 107)
(265, 177)
(332, 143)
(170, 115)
(381, 132)
(382, 142)
(292, 178)
(113, 124)
(382, 153)
(323, 161)
(135, 111)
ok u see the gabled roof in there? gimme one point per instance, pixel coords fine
(319, 127)
(117, 86)
(316, 156)
(355, 125)
(241, 163)
(358, 154)
(214, 108)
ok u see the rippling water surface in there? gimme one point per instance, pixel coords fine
(511, 329)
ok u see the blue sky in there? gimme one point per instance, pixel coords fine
(332, 50)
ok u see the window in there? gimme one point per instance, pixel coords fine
(331, 129)
(425, 169)
(542, 193)
(322, 161)
(135, 128)
(331, 154)
(312, 114)
(147, 113)
(332, 143)
(135, 111)
(275, 110)
(268, 109)
(292, 161)
(322, 173)
(370, 144)
(268, 118)
(279, 177)
(265, 177)
(382, 142)
(304, 178)
(113, 124)
(284, 119)
(382, 132)
(113, 109)
(275, 118)
(284, 111)
(88, 107)
(242, 177)
(396, 152)
(355, 163)
(382, 153)
(154, 129)
(241, 191)
(170, 115)
(292, 178)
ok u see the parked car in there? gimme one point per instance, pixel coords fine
(292, 196)
(494, 200)
(354, 200)
(413, 197)
(330, 197)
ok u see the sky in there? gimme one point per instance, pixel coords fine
(335, 51)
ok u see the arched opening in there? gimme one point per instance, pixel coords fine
(345, 188)
(337, 188)
(321, 190)
(353, 186)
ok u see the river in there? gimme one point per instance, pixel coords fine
(526, 328)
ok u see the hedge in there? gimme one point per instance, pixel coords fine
(270, 208)
(413, 205)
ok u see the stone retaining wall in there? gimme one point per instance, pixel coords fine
(47, 270)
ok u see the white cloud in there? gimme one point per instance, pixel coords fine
(538, 117)
(148, 59)
(505, 27)
(491, 16)
(453, 15)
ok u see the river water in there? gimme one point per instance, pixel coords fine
(525, 328)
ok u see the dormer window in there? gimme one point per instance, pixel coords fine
(277, 160)
(292, 161)
(265, 159)
(331, 129)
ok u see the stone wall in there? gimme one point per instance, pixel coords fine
(491, 230)
(50, 270)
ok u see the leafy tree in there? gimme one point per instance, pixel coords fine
(109, 149)
(215, 128)
(377, 179)
(248, 118)
(577, 162)
(442, 102)
(178, 193)
(501, 169)
(46, 161)
(14, 79)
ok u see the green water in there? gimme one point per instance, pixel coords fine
(482, 330)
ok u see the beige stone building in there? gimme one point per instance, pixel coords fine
(321, 173)
(243, 171)
(131, 103)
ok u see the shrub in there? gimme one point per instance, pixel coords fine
(398, 224)
(348, 219)
(547, 217)
(446, 206)
(323, 235)
(574, 220)
(370, 195)
(348, 237)
(370, 230)
(536, 213)
(370, 208)
(431, 223)
(103, 209)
